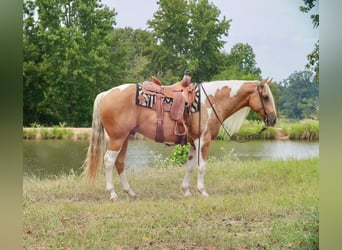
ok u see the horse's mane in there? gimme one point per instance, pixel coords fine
(234, 122)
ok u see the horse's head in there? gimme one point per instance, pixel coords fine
(262, 103)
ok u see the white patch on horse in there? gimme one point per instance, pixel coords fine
(123, 86)
(109, 160)
(120, 87)
(201, 166)
(212, 87)
(125, 184)
(234, 122)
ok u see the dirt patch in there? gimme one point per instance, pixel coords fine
(280, 134)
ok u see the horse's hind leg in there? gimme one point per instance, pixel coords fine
(120, 167)
(109, 160)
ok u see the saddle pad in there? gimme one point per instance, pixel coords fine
(148, 101)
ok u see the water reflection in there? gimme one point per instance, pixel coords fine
(55, 157)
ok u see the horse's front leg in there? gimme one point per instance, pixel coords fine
(200, 178)
(189, 169)
(203, 156)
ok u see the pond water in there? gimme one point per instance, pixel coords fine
(54, 157)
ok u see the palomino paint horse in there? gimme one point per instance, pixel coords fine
(116, 112)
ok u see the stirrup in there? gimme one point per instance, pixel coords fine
(175, 130)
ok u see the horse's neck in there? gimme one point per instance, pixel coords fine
(232, 107)
(228, 105)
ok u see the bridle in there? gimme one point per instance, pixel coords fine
(259, 89)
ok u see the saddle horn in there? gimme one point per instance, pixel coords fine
(186, 79)
(156, 81)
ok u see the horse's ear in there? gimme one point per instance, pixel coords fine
(269, 81)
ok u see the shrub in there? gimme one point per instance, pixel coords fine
(179, 155)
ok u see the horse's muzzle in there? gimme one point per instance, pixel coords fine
(270, 121)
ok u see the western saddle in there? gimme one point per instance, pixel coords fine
(182, 94)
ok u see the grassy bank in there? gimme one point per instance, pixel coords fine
(301, 130)
(252, 205)
(284, 130)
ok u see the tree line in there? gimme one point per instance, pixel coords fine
(72, 51)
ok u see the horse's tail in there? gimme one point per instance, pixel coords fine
(94, 158)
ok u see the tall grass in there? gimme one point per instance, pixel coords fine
(55, 132)
(252, 205)
(303, 130)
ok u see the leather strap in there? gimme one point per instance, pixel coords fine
(160, 118)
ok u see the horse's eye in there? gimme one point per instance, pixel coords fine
(265, 97)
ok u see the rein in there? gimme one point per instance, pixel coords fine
(247, 137)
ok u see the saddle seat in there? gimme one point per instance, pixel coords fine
(185, 87)
(182, 94)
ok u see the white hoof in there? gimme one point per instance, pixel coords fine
(187, 194)
(203, 192)
(113, 196)
(186, 191)
(131, 193)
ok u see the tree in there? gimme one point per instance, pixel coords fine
(206, 39)
(299, 96)
(313, 57)
(139, 45)
(188, 36)
(307, 7)
(240, 64)
(70, 54)
(170, 28)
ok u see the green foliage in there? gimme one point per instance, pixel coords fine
(239, 64)
(313, 61)
(72, 52)
(139, 45)
(313, 57)
(178, 156)
(206, 33)
(307, 7)
(299, 96)
(188, 35)
(69, 57)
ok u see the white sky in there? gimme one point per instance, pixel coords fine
(281, 36)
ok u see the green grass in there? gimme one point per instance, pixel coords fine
(252, 205)
(252, 128)
(303, 130)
